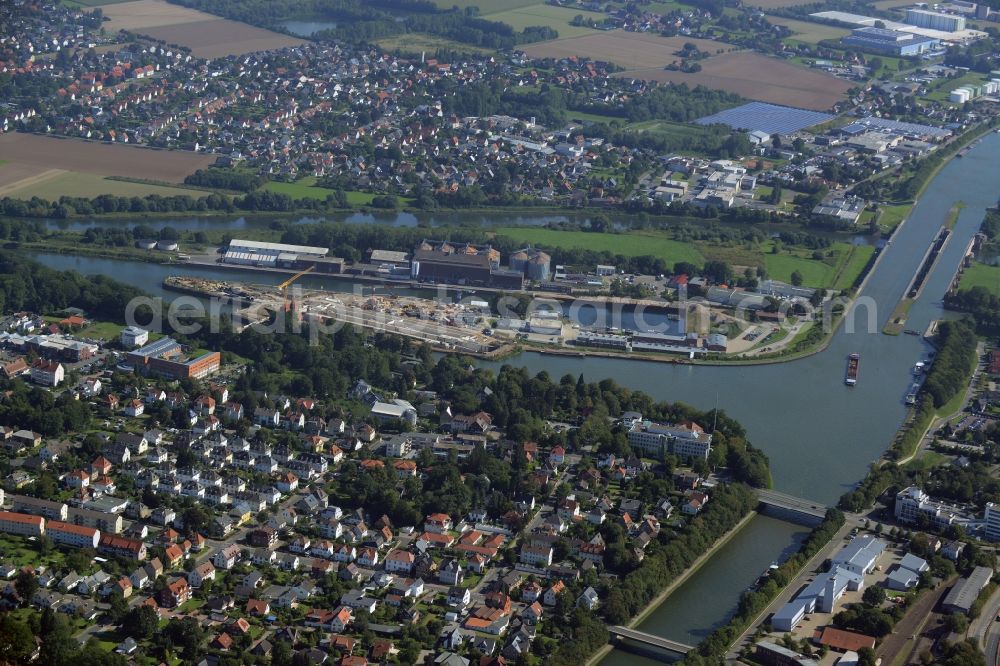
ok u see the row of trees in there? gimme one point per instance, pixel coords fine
(956, 358)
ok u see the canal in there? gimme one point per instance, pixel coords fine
(820, 435)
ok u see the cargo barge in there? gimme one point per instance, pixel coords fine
(853, 361)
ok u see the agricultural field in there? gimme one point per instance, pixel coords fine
(758, 77)
(982, 275)
(810, 33)
(89, 185)
(207, 36)
(627, 245)
(634, 50)
(557, 18)
(32, 160)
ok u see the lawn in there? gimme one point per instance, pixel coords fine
(982, 275)
(927, 461)
(77, 184)
(891, 217)
(102, 330)
(836, 272)
(810, 33)
(627, 245)
(306, 188)
(486, 6)
(557, 18)
(416, 42)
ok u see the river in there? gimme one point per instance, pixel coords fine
(392, 219)
(820, 435)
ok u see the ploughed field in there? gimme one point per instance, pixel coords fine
(50, 167)
(207, 36)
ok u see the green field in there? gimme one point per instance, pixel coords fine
(416, 42)
(836, 272)
(486, 6)
(75, 4)
(891, 217)
(306, 188)
(627, 245)
(982, 275)
(810, 33)
(76, 184)
(557, 18)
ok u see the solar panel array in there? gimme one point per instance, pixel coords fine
(770, 118)
(910, 129)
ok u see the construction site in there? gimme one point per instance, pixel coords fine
(453, 327)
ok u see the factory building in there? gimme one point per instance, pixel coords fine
(461, 263)
(890, 42)
(923, 18)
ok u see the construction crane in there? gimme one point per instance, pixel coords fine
(283, 287)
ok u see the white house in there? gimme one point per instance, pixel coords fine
(133, 336)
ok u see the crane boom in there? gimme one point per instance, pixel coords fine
(284, 285)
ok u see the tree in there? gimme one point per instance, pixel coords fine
(16, 642)
(874, 595)
(140, 622)
(797, 278)
(26, 585)
(866, 657)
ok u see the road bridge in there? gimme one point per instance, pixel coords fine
(650, 639)
(789, 504)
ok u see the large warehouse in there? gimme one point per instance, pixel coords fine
(893, 42)
(269, 255)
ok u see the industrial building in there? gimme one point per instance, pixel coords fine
(269, 255)
(164, 357)
(923, 18)
(961, 597)
(461, 263)
(533, 263)
(891, 42)
(847, 572)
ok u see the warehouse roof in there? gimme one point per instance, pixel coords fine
(240, 244)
